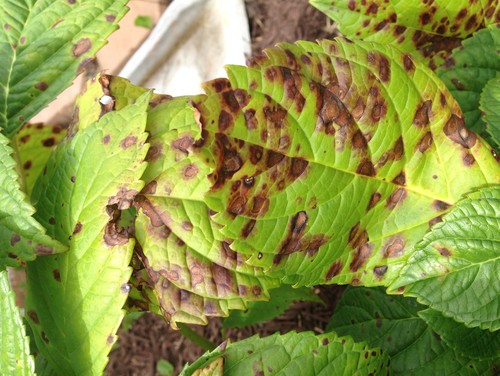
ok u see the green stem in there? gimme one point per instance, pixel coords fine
(194, 337)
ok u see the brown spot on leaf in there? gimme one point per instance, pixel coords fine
(360, 257)
(42, 249)
(15, 238)
(114, 236)
(183, 144)
(298, 167)
(57, 275)
(128, 141)
(273, 158)
(230, 101)
(33, 316)
(379, 271)
(445, 252)
(222, 279)
(374, 199)
(359, 141)
(425, 142)
(25, 138)
(359, 109)
(106, 139)
(123, 198)
(237, 205)
(456, 131)
(366, 168)
(425, 18)
(248, 228)
(440, 205)
(299, 222)
(394, 248)
(187, 226)
(73, 179)
(220, 84)
(150, 188)
(82, 46)
(190, 171)
(471, 22)
(276, 116)
(260, 205)
(384, 68)
(250, 118)
(458, 84)
(52, 221)
(27, 165)
(435, 220)
(110, 17)
(42, 86)
(372, 8)
(400, 179)
(225, 121)
(421, 118)
(468, 159)
(49, 142)
(408, 63)
(256, 153)
(334, 270)
(396, 197)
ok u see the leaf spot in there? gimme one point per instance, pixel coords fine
(82, 46)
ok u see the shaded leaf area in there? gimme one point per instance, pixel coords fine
(22, 238)
(473, 343)
(280, 300)
(489, 105)
(327, 171)
(468, 70)
(15, 358)
(427, 30)
(33, 145)
(291, 354)
(394, 324)
(44, 45)
(455, 268)
(92, 175)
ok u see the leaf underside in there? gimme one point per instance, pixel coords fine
(455, 268)
(395, 324)
(429, 31)
(44, 44)
(291, 354)
(15, 358)
(92, 175)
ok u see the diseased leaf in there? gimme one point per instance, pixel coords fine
(455, 268)
(15, 358)
(489, 104)
(44, 44)
(469, 342)
(428, 30)
(280, 300)
(393, 323)
(33, 144)
(195, 272)
(74, 301)
(22, 238)
(326, 170)
(293, 354)
(468, 70)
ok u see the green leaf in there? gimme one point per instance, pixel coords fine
(73, 301)
(22, 238)
(455, 268)
(473, 343)
(335, 159)
(428, 31)
(164, 368)
(33, 144)
(280, 300)
(44, 44)
(393, 323)
(15, 358)
(293, 354)
(468, 70)
(489, 104)
(144, 21)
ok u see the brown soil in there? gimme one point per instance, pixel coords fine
(150, 339)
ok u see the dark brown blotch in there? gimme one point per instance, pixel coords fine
(256, 153)
(360, 258)
(334, 270)
(400, 179)
(276, 116)
(408, 63)
(273, 158)
(366, 168)
(225, 121)
(380, 271)
(57, 275)
(421, 118)
(42, 86)
(468, 159)
(78, 228)
(394, 248)
(14, 239)
(456, 131)
(299, 222)
(396, 197)
(250, 119)
(49, 142)
(82, 46)
(237, 205)
(298, 167)
(190, 171)
(425, 142)
(182, 144)
(33, 316)
(374, 199)
(248, 228)
(128, 141)
(42, 249)
(230, 101)
(359, 141)
(443, 251)
(440, 206)
(260, 205)
(27, 165)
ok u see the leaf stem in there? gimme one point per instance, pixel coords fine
(194, 337)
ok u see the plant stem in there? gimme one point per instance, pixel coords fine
(194, 337)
